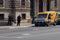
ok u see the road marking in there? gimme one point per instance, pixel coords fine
(44, 34)
(26, 34)
(1, 36)
(36, 29)
(10, 37)
(19, 37)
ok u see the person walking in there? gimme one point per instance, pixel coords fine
(18, 20)
(10, 20)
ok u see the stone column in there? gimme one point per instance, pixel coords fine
(36, 6)
(44, 5)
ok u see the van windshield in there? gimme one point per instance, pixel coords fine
(59, 15)
(42, 16)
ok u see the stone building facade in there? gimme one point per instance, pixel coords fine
(22, 7)
(53, 5)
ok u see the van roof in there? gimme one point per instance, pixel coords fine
(47, 11)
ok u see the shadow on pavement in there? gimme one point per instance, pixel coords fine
(40, 26)
(58, 23)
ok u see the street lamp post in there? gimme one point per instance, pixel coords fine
(32, 13)
(12, 9)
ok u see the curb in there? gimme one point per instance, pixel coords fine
(18, 27)
(13, 27)
(5, 27)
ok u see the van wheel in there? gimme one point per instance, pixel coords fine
(47, 25)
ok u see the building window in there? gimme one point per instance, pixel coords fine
(1, 3)
(23, 16)
(1, 16)
(55, 3)
(23, 2)
(12, 3)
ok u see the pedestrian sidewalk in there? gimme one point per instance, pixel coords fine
(23, 25)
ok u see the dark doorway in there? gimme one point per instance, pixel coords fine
(40, 5)
(1, 16)
(23, 16)
(48, 5)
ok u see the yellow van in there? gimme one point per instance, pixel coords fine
(45, 18)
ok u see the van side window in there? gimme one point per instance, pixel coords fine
(49, 16)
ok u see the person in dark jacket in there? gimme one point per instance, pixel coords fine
(10, 20)
(18, 20)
